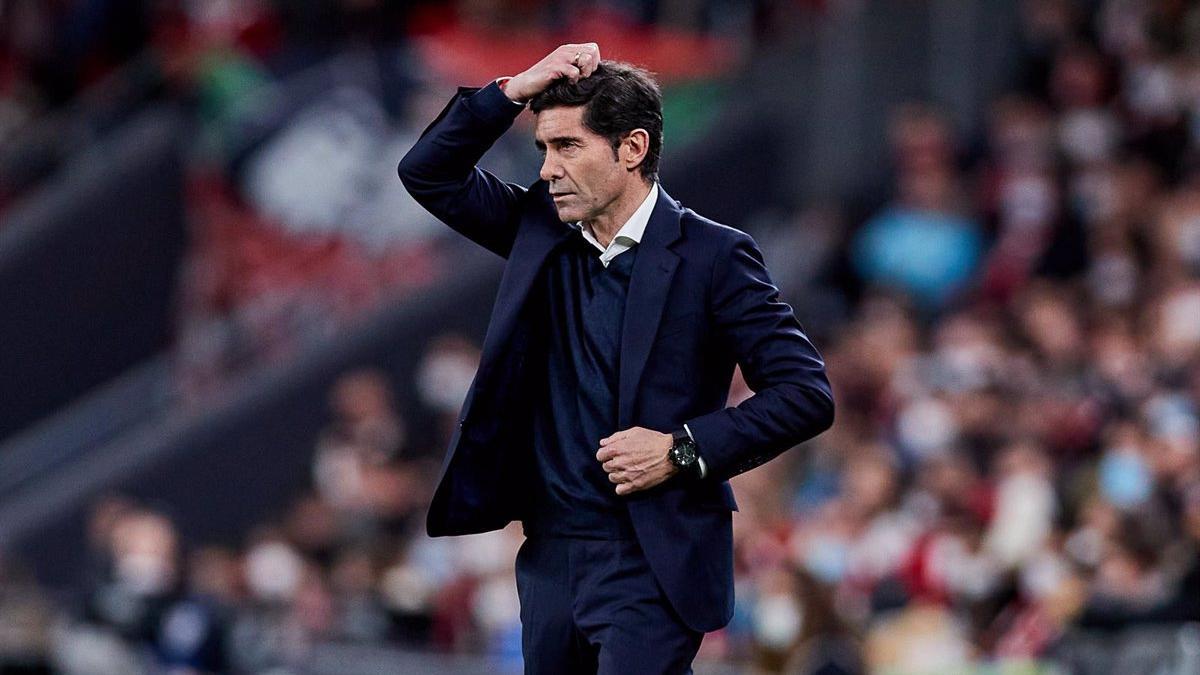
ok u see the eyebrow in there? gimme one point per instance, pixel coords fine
(558, 140)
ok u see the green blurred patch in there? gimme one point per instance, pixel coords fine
(690, 109)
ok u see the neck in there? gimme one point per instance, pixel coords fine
(605, 225)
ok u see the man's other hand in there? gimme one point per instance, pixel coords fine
(636, 459)
(572, 61)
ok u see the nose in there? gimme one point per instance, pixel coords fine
(551, 169)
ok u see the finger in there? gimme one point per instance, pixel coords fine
(616, 435)
(618, 477)
(606, 454)
(592, 52)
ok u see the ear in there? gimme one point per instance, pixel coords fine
(632, 151)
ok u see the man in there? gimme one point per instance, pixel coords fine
(597, 416)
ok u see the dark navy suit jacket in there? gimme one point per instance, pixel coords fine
(699, 301)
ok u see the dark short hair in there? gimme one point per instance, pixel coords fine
(618, 98)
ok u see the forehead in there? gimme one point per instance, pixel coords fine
(559, 122)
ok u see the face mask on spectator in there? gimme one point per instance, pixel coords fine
(444, 379)
(778, 619)
(407, 590)
(827, 558)
(1042, 575)
(1152, 90)
(1172, 417)
(1087, 135)
(927, 427)
(1028, 201)
(1124, 478)
(1179, 329)
(273, 571)
(144, 574)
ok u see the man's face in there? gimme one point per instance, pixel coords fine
(584, 176)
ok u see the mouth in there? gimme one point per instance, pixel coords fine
(556, 195)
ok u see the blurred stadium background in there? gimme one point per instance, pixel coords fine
(231, 346)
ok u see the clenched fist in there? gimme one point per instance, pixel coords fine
(572, 61)
(636, 459)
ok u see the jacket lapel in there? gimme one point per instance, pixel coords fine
(649, 284)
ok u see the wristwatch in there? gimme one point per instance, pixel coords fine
(683, 452)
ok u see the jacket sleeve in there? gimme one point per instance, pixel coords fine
(439, 170)
(793, 400)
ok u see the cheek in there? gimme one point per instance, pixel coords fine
(601, 181)
(593, 175)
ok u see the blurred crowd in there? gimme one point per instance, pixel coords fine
(1017, 452)
(344, 562)
(1014, 469)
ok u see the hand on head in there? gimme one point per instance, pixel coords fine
(572, 61)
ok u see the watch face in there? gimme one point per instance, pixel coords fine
(683, 453)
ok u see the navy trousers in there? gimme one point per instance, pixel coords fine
(594, 606)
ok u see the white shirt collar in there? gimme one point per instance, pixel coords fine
(630, 233)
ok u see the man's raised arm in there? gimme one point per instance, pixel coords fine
(440, 170)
